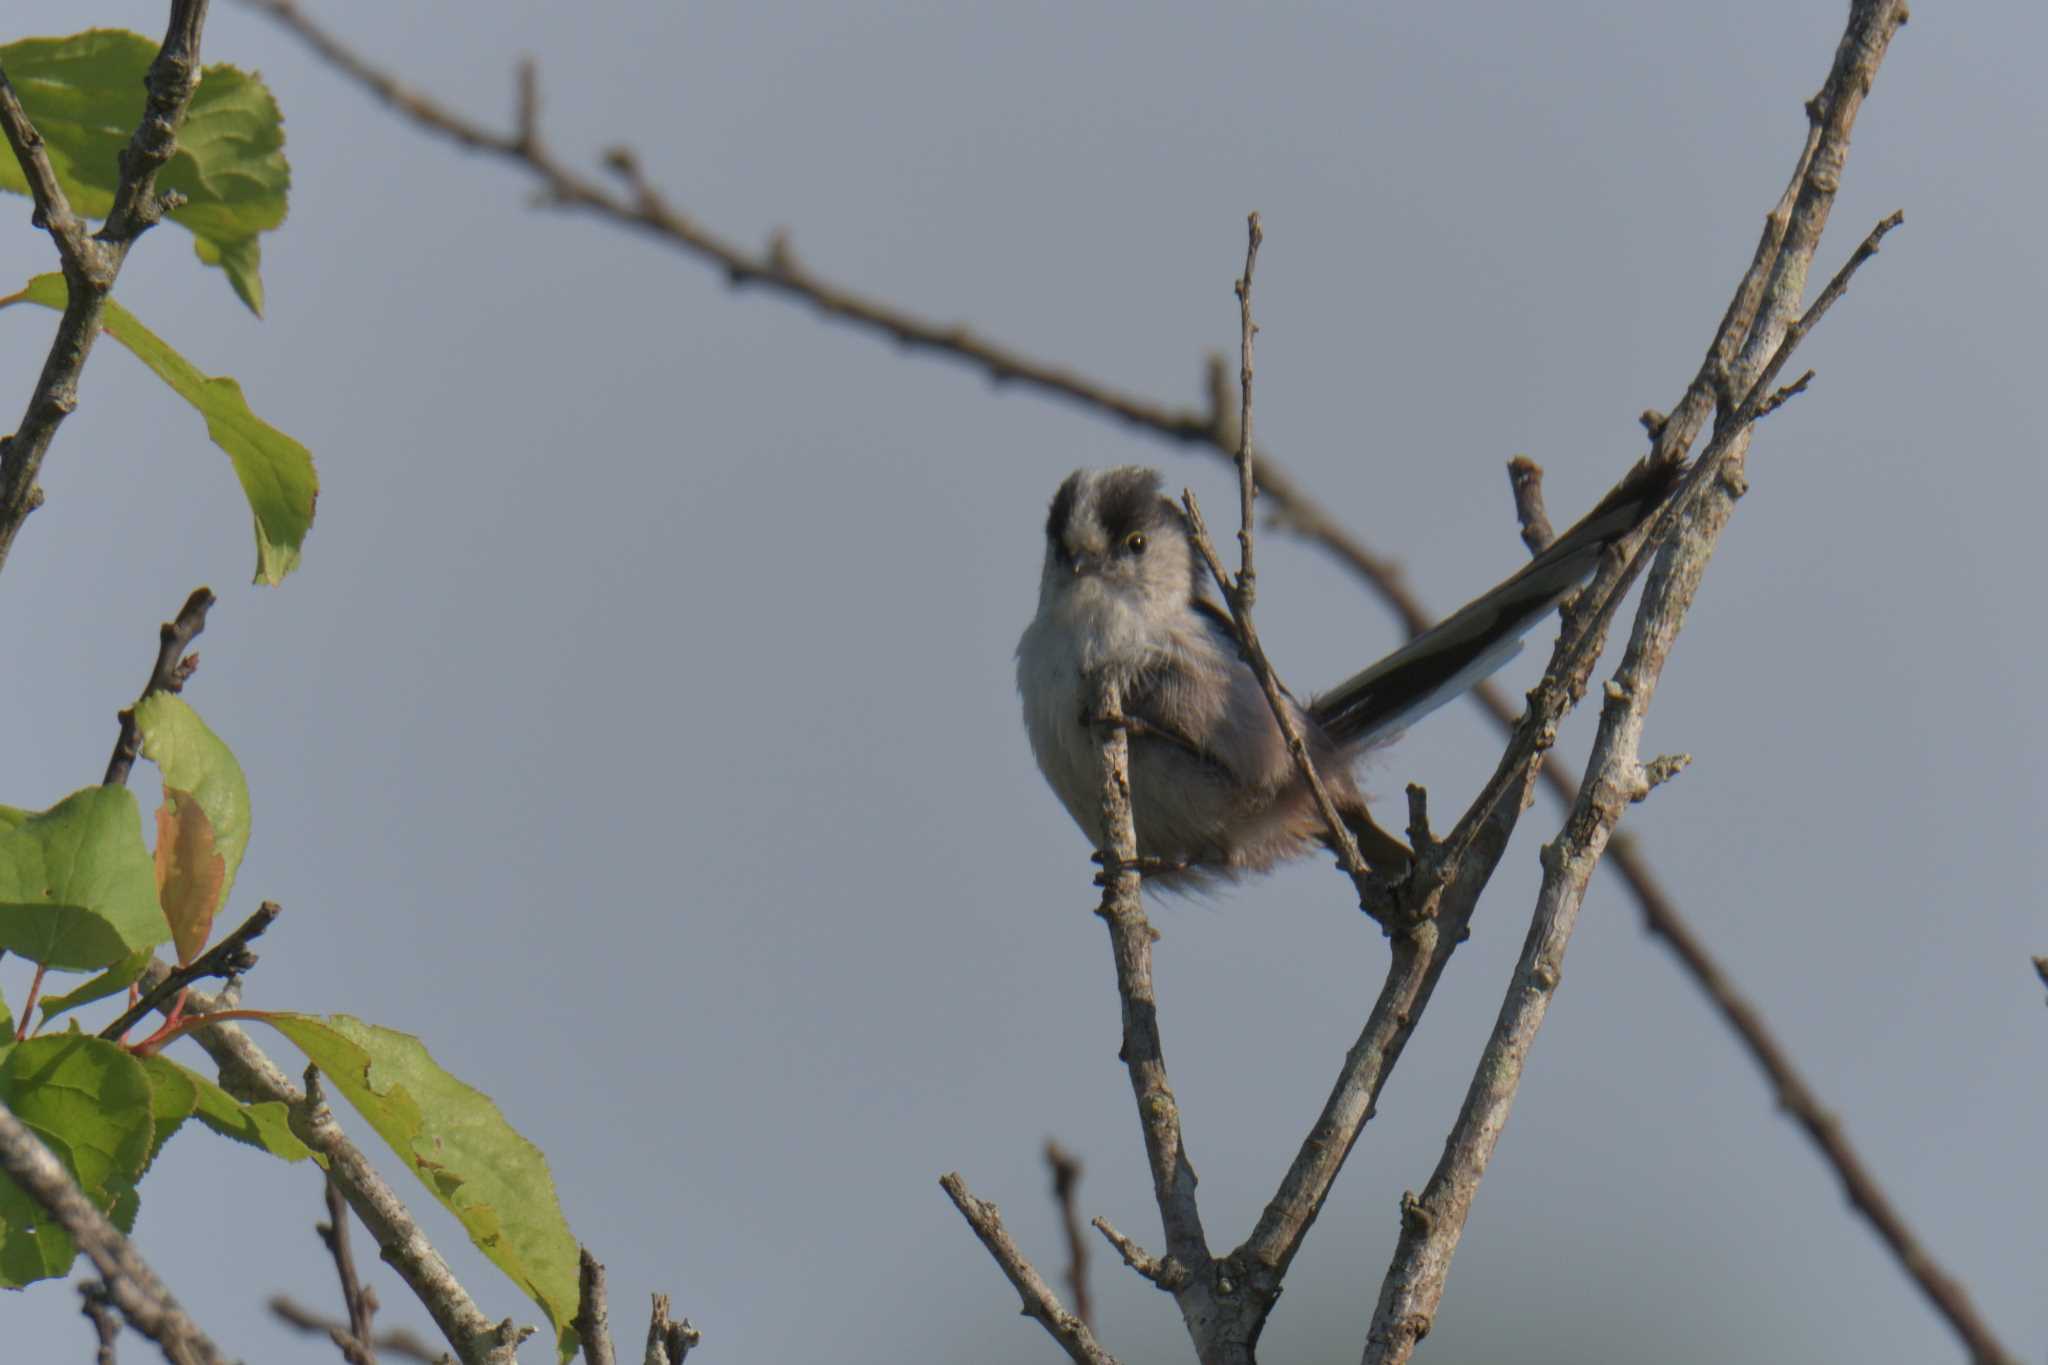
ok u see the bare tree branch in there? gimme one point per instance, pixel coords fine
(1066, 1194)
(91, 263)
(1661, 917)
(1447, 881)
(1762, 327)
(130, 1283)
(1040, 1302)
(1434, 908)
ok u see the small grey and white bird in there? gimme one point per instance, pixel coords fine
(1213, 789)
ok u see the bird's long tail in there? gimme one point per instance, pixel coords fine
(1453, 656)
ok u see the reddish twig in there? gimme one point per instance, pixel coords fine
(229, 958)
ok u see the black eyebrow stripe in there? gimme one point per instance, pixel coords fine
(1062, 511)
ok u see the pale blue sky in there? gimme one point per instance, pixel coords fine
(641, 733)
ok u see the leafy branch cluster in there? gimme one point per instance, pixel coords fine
(83, 1115)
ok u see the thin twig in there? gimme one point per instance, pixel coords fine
(2041, 969)
(1785, 395)
(1040, 1302)
(91, 263)
(53, 209)
(28, 1002)
(131, 1284)
(98, 1306)
(358, 1344)
(228, 958)
(1758, 401)
(1340, 834)
(593, 1311)
(1247, 482)
(1066, 1194)
(1239, 595)
(1525, 477)
(1420, 839)
(1168, 1275)
(392, 1341)
(172, 670)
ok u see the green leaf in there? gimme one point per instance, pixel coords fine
(173, 1097)
(201, 842)
(85, 96)
(243, 261)
(265, 1126)
(77, 887)
(276, 472)
(460, 1146)
(91, 1104)
(33, 1246)
(114, 979)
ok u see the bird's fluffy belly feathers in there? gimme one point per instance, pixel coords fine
(1234, 808)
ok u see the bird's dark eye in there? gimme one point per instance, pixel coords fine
(1134, 543)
